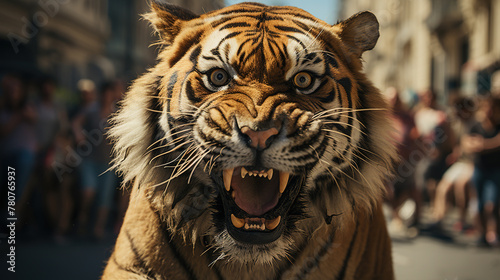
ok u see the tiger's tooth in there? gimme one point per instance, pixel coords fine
(227, 174)
(272, 224)
(269, 174)
(260, 175)
(244, 172)
(237, 222)
(283, 180)
(247, 226)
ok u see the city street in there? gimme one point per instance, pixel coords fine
(427, 258)
(154, 103)
(422, 258)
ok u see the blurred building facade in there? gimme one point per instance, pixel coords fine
(74, 39)
(63, 38)
(446, 45)
(130, 44)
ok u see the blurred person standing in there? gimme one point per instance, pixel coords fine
(50, 117)
(52, 132)
(89, 127)
(403, 185)
(434, 141)
(484, 142)
(457, 177)
(17, 135)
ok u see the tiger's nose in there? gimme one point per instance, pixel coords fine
(259, 139)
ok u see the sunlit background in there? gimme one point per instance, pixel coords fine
(326, 10)
(57, 53)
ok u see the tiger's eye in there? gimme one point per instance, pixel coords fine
(302, 80)
(219, 77)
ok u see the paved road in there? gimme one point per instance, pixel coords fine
(426, 258)
(44, 259)
(422, 258)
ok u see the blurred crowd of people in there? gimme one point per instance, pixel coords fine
(61, 157)
(449, 159)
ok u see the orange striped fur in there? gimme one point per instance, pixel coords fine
(274, 71)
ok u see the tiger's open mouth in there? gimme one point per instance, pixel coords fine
(256, 202)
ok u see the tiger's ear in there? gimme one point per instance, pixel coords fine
(167, 19)
(359, 32)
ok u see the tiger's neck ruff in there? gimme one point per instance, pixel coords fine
(256, 147)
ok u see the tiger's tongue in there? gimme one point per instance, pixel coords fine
(255, 195)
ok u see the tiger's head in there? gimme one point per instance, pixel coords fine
(255, 127)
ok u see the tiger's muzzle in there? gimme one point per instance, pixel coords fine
(256, 198)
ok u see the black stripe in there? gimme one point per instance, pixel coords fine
(171, 83)
(193, 58)
(311, 56)
(215, 126)
(281, 52)
(301, 25)
(331, 61)
(194, 55)
(294, 256)
(227, 132)
(226, 52)
(138, 260)
(234, 25)
(121, 267)
(348, 255)
(229, 36)
(344, 153)
(170, 88)
(331, 95)
(238, 11)
(274, 54)
(184, 47)
(216, 52)
(253, 4)
(255, 49)
(289, 29)
(241, 53)
(290, 14)
(167, 236)
(347, 85)
(298, 41)
(154, 116)
(209, 58)
(190, 93)
(337, 160)
(264, 16)
(307, 268)
(347, 129)
(305, 145)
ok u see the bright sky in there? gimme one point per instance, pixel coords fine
(326, 10)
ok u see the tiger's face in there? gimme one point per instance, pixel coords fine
(259, 125)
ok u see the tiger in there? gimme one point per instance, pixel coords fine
(255, 148)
